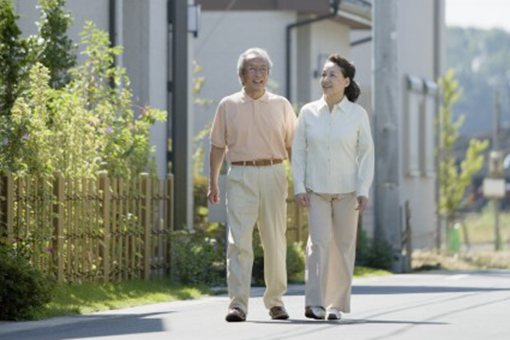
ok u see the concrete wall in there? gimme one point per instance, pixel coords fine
(144, 36)
(361, 57)
(417, 43)
(416, 57)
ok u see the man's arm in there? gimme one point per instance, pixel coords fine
(216, 156)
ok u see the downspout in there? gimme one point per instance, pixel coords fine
(112, 28)
(438, 22)
(112, 25)
(288, 40)
(361, 41)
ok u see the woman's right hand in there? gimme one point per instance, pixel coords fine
(302, 200)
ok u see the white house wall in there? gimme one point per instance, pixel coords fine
(222, 38)
(224, 35)
(416, 57)
(82, 11)
(314, 43)
(361, 57)
(327, 37)
(144, 38)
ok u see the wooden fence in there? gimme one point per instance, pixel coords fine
(94, 229)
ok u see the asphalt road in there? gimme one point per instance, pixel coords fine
(434, 305)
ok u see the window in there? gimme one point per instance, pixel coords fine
(419, 121)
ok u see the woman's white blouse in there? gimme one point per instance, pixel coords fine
(333, 152)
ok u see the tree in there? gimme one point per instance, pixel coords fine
(86, 126)
(453, 180)
(480, 59)
(13, 61)
(54, 48)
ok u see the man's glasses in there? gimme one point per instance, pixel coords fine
(255, 70)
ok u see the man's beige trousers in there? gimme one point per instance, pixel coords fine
(256, 195)
(332, 223)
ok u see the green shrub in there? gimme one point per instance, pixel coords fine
(373, 253)
(23, 289)
(201, 211)
(197, 258)
(295, 261)
(362, 248)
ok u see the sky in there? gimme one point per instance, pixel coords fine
(485, 14)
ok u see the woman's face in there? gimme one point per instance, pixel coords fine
(333, 81)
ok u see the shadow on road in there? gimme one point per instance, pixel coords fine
(345, 322)
(95, 326)
(367, 290)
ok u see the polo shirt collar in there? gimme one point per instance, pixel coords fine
(247, 98)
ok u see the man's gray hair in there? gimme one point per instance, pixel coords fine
(258, 52)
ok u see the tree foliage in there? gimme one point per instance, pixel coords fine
(454, 180)
(53, 47)
(13, 57)
(480, 59)
(86, 126)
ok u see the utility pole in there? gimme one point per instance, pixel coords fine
(497, 168)
(179, 122)
(386, 113)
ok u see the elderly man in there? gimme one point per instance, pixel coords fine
(254, 129)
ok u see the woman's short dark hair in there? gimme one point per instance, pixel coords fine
(349, 71)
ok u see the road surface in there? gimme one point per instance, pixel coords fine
(434, 305)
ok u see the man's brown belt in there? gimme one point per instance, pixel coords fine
(258, 162)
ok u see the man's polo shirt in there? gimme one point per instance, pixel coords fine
(253, 129)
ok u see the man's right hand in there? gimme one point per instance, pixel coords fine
(214, 194)
(216, 157)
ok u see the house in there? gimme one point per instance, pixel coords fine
(299, 35)
(229, 27)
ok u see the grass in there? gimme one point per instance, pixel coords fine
(85, 298)
(469, 260)
(72, 299)
(365, 272)
(480, 226)
(479, 254)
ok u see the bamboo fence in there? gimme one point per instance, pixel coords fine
(89, 229)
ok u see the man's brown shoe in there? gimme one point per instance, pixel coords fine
(235, 314)
(278, 313)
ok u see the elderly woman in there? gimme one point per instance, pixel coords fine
(333, 168)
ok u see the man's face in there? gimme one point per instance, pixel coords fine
(255, 74)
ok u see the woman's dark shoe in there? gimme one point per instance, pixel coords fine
(315, 312)
(333, 314)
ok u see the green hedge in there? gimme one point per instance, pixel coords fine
(23, 289)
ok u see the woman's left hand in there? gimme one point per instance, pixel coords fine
(362, 204)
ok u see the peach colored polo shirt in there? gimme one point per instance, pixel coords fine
(252, 129)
